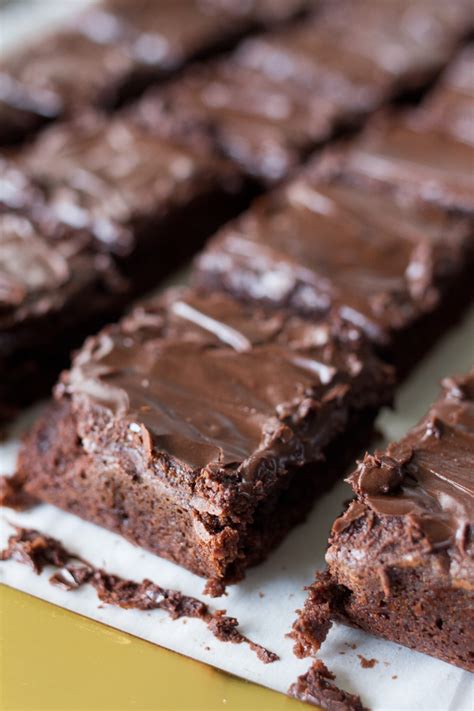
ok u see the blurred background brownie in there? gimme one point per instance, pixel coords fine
(93, 214)
(417, 159)
(449, 107)
(327, 242)
(187, 426)
(111, 51)
(401, 558)
(277, 96)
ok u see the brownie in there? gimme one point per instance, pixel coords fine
(24, 111)
(109, 53)
(187, 427)
(420, 161)
(326, 242)
(449, 108)
(53, 289)
(89, 201)
(400, 559)
(279, 95)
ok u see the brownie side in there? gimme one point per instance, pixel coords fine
(158, 515)
(400, 558)
(205, 413)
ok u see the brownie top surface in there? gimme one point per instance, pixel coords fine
(111, 175)
(418, 160)
(27, 262)
(217, 383)
(356, 52)
(87, 60)
(264, 124)
(325, 241)
(428, 477)
(449, 108)
(16, 100)
(42, 267)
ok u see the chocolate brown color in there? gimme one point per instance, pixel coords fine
(185, 428)
(92, 214)
(449, 107)
(334, 241)
(422, 162)
(278, 96)
(108, 54)
(400, 559)
(317, 687)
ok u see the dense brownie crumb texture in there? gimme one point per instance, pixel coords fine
(38, 551)
(317, 687)
(400, 559)
(186, 427)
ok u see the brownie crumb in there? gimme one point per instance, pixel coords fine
(367, 663)
(214, 588)
(395, 676)
(33, 549)
(13, 495)
(316, 687)
(226, 629)
(36, 550)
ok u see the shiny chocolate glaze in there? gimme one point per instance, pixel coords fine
(428, 477)
(214, 385)
(329, 241)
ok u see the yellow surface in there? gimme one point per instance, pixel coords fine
(54, 659)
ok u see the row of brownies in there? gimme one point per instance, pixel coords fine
(97, 209)
(204, 424)
(110, 52)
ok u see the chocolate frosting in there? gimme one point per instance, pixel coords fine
(427, 477)
(450, 106)
(278, 95)
(111, 176)
(42, 267)
(418, 162)
(27, 262)
(363, 49)
(329, 242)
(212, 383)
(93, 59)
(240, 112)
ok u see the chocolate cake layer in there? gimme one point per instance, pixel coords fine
(93, 214)
(400, 559)
(331, 241)
(186, 427)
(278, 96)
(113, 50)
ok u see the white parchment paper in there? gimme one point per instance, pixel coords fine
(265, 602)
